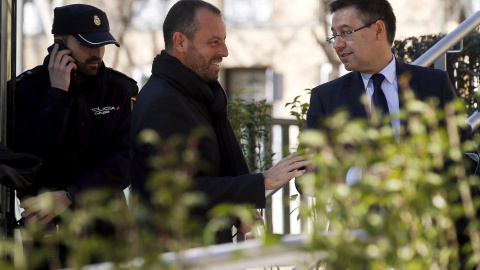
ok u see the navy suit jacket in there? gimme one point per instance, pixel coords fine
(345, 93)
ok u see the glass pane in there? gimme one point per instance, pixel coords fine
(32, 21)
(150, 14)
(251, 80)
(247, 12)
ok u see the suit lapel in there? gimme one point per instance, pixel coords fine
(352, 93)
(403, 68)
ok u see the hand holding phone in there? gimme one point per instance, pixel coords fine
(61, 46)
(61, 66)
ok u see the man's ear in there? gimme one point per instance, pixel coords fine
(179, 42)
(380, 29)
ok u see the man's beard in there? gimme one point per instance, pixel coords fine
(84, 69)
(197, 63)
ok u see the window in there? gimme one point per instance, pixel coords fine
(255, 83)
(150, 14)
(32, 20)
(247, 12)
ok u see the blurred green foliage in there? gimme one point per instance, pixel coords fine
(299, 110)
(164, 222)
(415, 193)
(250, 124)
(404, 212)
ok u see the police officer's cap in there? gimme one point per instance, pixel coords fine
(86, 23)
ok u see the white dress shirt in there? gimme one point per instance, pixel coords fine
(390, 89)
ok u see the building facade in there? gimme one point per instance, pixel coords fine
(277, 47)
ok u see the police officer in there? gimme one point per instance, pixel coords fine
(74, 113)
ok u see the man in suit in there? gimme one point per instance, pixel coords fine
(363, 33)
(183, 95)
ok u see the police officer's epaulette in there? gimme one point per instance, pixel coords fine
(116, 72)
(26, 74)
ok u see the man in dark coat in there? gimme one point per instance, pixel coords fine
(74, 113)
(182, 95)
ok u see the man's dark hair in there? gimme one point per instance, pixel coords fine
(182, 18)
(369, 11)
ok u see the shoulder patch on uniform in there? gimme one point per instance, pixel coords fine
(26, 74)
(116, 72)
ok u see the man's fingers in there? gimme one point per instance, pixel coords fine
(29, 202)
(298, 165)
(67, 64)
(30, 206)
(297, 158)
(292, 158)
(292, 155)
(53, 55)
(45, 207)
(47, 219)
(66, 59)
(42, 217)
(298, 173)
(41, 214)
(33, 219)
(72, 66)
(57, 59)
(28, 212)
(286, 169)
(60, 59)
(294, 174)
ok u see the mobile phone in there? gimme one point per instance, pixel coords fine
(61, 46)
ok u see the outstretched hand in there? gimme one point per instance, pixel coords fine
(285, 170)
(46, 206)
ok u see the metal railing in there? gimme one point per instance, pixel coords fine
(284, 133)
(225, 256)
(439, 50)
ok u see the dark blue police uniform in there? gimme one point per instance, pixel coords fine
(82, 136)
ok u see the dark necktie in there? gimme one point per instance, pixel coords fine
(378, 97)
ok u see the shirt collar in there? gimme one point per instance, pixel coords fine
(389, 72)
